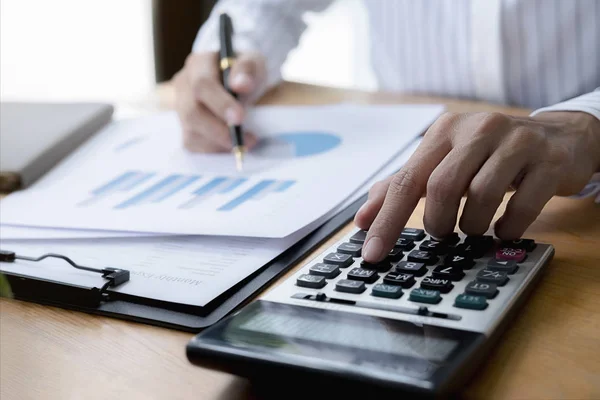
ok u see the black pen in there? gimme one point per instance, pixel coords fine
(226, 59)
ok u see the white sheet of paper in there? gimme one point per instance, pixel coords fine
(136, 177)
(189, 270)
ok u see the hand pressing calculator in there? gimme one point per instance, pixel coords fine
(419, 322)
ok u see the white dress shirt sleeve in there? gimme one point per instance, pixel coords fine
(270, 27)
(588, 103)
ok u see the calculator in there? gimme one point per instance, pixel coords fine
(420, 322)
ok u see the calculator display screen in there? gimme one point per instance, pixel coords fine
(351, 340)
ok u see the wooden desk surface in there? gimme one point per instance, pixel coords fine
(552, 350)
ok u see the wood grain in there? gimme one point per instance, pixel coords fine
(550, 351)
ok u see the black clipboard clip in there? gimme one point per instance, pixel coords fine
(114, 276)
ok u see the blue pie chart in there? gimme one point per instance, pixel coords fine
(298, 144)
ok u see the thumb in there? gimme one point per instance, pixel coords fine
(247, 73)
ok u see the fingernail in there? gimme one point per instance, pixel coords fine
(241, 79)
(232, 116)
(373, 249)
(363, 207)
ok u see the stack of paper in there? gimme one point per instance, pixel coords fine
(189, 226)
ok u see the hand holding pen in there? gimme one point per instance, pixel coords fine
(206, 108)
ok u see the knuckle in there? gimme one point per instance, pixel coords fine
(439, 190)
(560, 156)
(481, 194)
(404, 183)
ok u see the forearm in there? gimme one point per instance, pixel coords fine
(270, 27)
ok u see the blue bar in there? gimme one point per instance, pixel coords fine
(209, 186)
(115, 183)
(177, 188)
(148, 192)
(233, 185)
(285, 185)
(143, 178)
(253, 191)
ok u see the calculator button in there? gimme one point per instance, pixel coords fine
(507, 253)
(489, 276)
(450, 240)
(350, 248)
(488, 290)
(425, 296)
(381, 266)
(350, 286)
(388, 291)
(404, 244)
(409, 267)
(508, 266)
(365, 275)
(525, 244)
(329, 271)
(400, 279)
(462, 262)
(483, 242)
(422, 256)
(431, 283)
(359, 237)
(412, 233)
(341, 260)
(471, 302)
(395, 254)
(311, 281)
(448, 272)
(467, 250)
(434, 246)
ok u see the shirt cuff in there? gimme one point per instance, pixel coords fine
(588, 103)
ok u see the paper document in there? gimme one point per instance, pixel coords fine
(189, 270)
(136, 177)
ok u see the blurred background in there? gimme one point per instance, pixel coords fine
(117, 51)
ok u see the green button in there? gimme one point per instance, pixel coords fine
(389, 291)
(425, 296)
(471, 302)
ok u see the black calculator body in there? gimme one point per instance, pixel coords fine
(420, 323)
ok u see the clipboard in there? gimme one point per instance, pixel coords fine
(170, 315)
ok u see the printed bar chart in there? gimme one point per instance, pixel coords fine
(204, 191)
(253, 192)
(185, 192)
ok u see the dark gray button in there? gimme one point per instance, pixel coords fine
(409, 267)
(342, 260)
(422, 256)
(447, 272)
(488, 276)
(525, 244)
(400, 279)
(395, 254)
(381, 266)
(431, 283)
(359, 237)
(350, 248)
(459, 261)
(350, 286)
(329, 271)
(412, 233)
(404, 244)
(361, 274)
(311, 281)
(488, 290)
(508, 266)
(388, 291)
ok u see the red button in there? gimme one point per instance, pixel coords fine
(506, 253)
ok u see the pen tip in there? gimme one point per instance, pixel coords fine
(239, 158)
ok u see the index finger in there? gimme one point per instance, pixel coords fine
(403, 194)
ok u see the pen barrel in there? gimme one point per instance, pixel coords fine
(235, 132)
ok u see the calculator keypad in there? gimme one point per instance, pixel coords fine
(451, 276)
